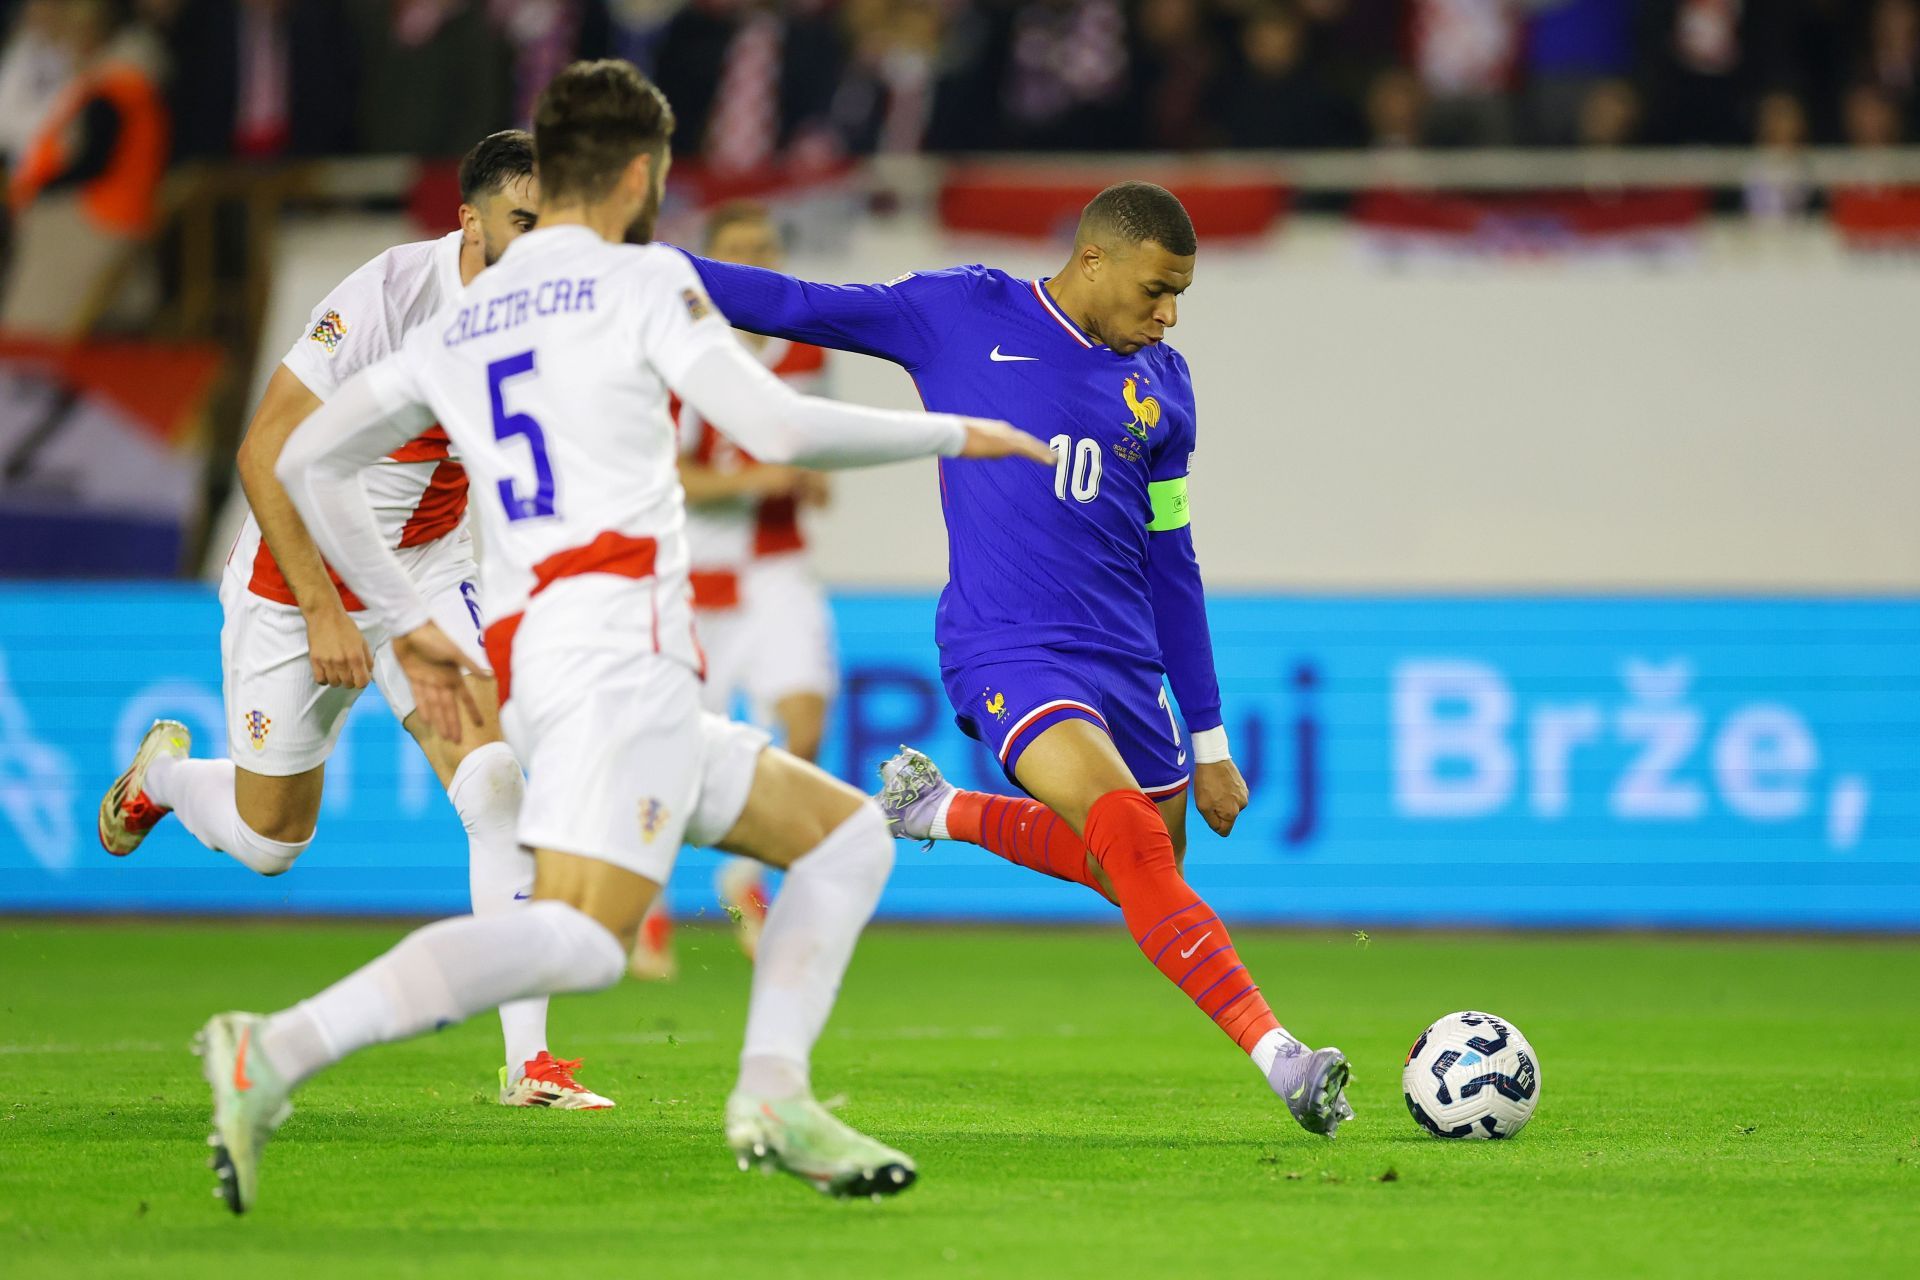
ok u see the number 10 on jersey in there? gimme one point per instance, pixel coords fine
(505, 425)
(1076, 468)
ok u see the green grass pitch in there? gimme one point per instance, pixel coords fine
(1710, 1108)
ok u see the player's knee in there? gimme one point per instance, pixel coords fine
(858, 852)
(283, 815)
(487, 787)
(266, 854)
(578, 952)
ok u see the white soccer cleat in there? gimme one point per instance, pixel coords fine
(803, 1138)
(547, 1081)
(126, 814)
(249, 1103)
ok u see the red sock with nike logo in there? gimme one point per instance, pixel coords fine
(1024, 832)
(1173, 927)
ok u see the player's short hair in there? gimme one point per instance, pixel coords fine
(1138, 212)
(732, 214)
(496, 160)
(589, 124)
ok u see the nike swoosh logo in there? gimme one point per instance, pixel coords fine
(1188, 953)
(995, 356)
(1295, 1095)
(240, 1080)
(1183, 758)
(521, 897)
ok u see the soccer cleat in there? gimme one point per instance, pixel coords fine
(547, 1081)
(1313, 1085)
(912, 794)
(652, 959)
(126, 814)
(743, 892)
(249, 1102)
(803, 1138)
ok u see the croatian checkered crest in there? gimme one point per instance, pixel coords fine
(1471, 1075)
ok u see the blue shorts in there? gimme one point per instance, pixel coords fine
(1007, 699)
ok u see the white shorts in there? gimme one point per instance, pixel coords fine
(281, 722)
(622, 764)
(776, 643)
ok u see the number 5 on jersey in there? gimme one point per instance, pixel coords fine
(505, 424)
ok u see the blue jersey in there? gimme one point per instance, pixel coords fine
(1059, 559)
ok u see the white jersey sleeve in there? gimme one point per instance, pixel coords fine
(693, 348)
(374, 413)
(350, 329)
(677, 322)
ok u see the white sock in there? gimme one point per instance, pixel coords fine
(938, 829)
(1273, 1046)
(200, 793)
(826, 899)
(486, 791)
(441, 974)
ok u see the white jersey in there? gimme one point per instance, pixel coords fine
(551, 375)
(726, 538)
(419, 491)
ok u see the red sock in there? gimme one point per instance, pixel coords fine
(1024, 832)
(1173, 927)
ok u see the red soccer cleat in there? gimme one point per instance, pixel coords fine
(547, 1081)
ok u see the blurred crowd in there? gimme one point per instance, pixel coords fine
(756, 81)
(98, 97)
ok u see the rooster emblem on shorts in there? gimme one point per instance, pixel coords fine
(997, 706)
(1146, 413)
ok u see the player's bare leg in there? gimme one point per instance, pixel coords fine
(802, 720)
(1090, 824)
(482, 778)
(570, 938)
(837, 854)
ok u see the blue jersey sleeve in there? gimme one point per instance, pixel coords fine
(1173, 573)
(904, 320)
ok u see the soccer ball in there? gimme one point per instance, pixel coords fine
(1471, 1075)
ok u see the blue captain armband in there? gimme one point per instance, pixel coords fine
(1169, 502)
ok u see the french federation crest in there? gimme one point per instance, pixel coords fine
(328, 330)
(258, 724)
(997, 707)
(697, 305)
(1146, 413)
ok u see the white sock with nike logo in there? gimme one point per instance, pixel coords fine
(486, 790)
(443, 974)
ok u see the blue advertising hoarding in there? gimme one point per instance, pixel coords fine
(1617, 762)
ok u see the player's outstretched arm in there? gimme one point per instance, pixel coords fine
(335, 647)
(777, 424)
(371, 415)
(871, 319)
(1186, 649)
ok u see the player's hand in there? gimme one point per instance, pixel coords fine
(990, 438)
(336, 649)
(1220, 793)
(436, 668)
(765, 480)
(814, 489)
